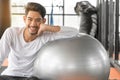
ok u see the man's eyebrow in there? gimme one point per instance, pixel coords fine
(28, 17)
(35, 18)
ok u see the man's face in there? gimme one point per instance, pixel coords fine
(33, 20)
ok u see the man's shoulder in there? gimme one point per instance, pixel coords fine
(14, 29)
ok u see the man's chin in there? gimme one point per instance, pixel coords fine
(33, 33)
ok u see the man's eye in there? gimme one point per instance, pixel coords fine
(38, 20)
(29, 19)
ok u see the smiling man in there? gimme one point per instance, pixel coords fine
(21, 44)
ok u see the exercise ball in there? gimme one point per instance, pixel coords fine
(78, 58)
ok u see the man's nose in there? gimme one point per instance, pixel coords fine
(33, 23)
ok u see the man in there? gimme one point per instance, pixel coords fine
(21, 45)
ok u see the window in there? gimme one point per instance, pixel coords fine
(63, 12)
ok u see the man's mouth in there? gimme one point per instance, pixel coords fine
(33, 30)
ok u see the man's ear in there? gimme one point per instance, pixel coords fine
(24, 18)
(44, 20)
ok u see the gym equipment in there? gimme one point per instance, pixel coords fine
(88, 17)
(78, 58)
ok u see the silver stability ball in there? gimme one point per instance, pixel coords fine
(77, 58)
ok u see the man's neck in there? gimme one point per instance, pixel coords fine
(28, 37)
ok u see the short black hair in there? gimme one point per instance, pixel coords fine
(32, 6)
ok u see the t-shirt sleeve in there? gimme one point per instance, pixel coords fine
(66, 32)
(5, 45)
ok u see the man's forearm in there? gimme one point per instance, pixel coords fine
(53, 28)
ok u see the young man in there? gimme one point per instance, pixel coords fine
(21, 45)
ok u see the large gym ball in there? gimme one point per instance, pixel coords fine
(77, 58)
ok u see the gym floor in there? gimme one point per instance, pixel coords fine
(114, 74)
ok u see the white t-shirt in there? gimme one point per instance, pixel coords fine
(21, 54)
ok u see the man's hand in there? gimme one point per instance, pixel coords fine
(42, 29)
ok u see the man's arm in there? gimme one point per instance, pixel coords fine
(53, 28)
(46, 27)
(5, 42)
